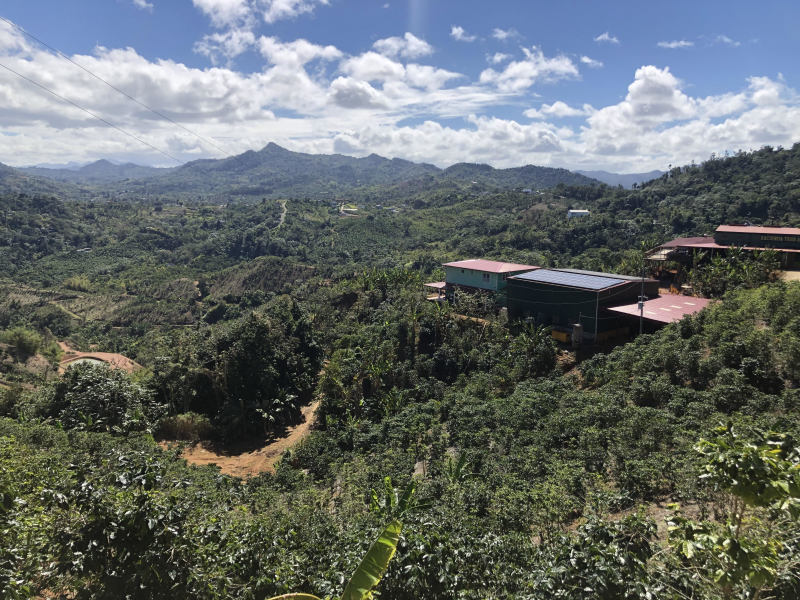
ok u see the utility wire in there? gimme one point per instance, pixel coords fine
(115, 88)
(87, 111)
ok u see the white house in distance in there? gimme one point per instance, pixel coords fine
(575, 213)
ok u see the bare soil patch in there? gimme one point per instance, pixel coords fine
(251, 462)
(790, 275)
(116, 361)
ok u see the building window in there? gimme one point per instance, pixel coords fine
(486, 277)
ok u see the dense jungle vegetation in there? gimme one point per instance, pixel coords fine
(667, 467)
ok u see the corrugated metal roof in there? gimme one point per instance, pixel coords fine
(758, 229)
(715, 246)
(665, 309)
(582, 281)
(683, 241)
(489, 266)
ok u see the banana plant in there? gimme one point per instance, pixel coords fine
(369, 572)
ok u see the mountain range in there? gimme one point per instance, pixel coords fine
(626, 180)
(101, 171)
(276, 171)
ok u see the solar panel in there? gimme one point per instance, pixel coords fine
(576, 280)
(600, 274)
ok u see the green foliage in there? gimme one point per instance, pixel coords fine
(737, 269)
(189, 426)
(24, 342)
(78, 283)
(752, 547)
(96, 398)
(764, 472)
(369, 572)
(528, 480)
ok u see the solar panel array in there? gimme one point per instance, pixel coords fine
(601, 274)
(576, 280)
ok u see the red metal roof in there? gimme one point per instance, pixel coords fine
(708, 243)
(665, 309)
(715, 246)
(757, 229)
(680, 242)
(489, 266)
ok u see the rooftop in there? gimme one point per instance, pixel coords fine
(601, 274)
(683, 241)
(708, 243)
(586, 280)
(758, 229)
(712, 245)
(489, 266)
(665, 309)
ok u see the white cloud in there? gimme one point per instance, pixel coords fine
(372, 66)
(143, 4)
(433, 142)
(591, 63)
(520, 75)
(559, 109)
(654, 97)
(296, 53)
(607, 37)
(11, 40)
(458, 33)
(427, 77)
(365, 106)
(504, 34)
(352, 93)
(408, 46)
(766, 92)
(275, 10)
(676, 44)
(497, 58)
(725, 40)
(238, 13)
(225, 13)
(225, 45)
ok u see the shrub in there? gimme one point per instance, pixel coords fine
(24, 342)
(78, 283)
(189, 426)
(97, 398)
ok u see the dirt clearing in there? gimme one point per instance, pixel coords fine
(250, 463)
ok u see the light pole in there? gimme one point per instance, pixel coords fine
(642, 298)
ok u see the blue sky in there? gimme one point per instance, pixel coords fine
(623, 86)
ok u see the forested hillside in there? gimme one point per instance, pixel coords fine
(101, 171)
(667, 467)
(276, 172)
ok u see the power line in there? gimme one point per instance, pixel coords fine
(87, 111)
(115, 88)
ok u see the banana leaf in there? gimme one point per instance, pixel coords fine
(373, 565)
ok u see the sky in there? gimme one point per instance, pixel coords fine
(624, 86)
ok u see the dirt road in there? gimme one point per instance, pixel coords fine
(248, 464)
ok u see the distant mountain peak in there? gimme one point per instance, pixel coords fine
(623, 179)
(273, 147)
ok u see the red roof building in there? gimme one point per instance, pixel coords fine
(664, 309)
(489, 266)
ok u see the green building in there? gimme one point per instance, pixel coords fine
(481, 274)
(563, 297)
